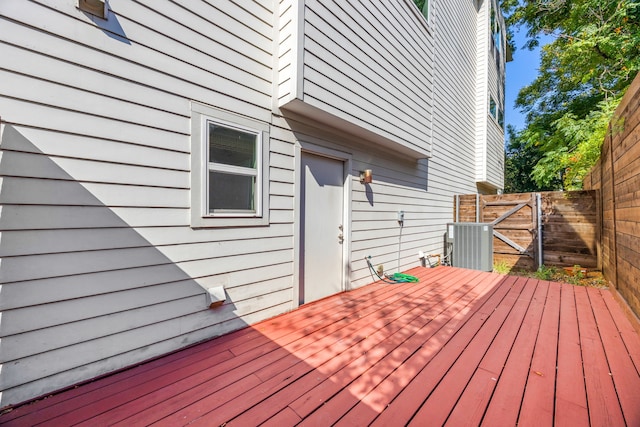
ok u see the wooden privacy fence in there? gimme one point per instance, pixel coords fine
(617, 176)
(567, 222)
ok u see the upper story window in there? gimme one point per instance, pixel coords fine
(496, 31)
(496, 111)
(424, 6)
(229, 173)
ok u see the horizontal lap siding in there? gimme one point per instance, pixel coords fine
(489, 134)
(96, 246)
(453, 162)
(494, 166)
(361, 68)
(398, 186)
(495, 154)
(422, 189)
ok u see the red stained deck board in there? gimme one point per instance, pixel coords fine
(604, 408)
(627, 384)
(571, 399)
(310, 401)
(432, 361)
(176, 406)
(193, 402)
(318, 315)
(436, 319)
(332, 312)
(108, 391)
(161, 398)
(444, 397)
(355, 391)
(190, 381)
(75, 399)
(470, 407)
(102, 396)
(269, 353)
(625, 328)
(463, 335)
(441, 401)
(354, 334)
(504, 406)
(113, 407)
(286, 417)
(400, 323)
(374, 400)
(355, 331)
(539, 396)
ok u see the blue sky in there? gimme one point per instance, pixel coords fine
(520, 72)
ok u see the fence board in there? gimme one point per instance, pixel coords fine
(617, 176)
(570, 227)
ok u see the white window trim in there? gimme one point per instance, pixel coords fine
(499, 109)
(201, 116)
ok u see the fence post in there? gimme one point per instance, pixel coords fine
(613, 206)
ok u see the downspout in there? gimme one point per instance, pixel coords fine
(539, 215)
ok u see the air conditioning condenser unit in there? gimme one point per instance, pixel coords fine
(470, 245)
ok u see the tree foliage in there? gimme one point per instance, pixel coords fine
(520, 158)
(583, 74)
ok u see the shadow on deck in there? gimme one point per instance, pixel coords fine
(460, 347)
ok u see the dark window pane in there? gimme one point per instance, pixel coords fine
(492, 107)
(229, 192)
(232, 147)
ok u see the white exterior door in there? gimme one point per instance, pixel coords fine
(322, 227)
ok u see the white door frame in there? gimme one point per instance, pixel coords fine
(346, 158)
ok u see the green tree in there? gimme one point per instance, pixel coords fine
(583, 74)
(520, 158)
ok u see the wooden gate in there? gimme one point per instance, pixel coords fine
(515, 225)
(531, 229)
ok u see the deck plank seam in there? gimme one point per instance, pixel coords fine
(480, 329)
(426, 306)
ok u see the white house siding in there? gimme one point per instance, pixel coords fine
(490, 141)
(453, 162)
(367, 66)
(483, 41)
(100, 268)
(494, 152)
(400, 183)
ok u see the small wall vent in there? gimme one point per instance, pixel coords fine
(97, 8)
(471, 245)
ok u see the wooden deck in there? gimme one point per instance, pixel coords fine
(460, 347)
